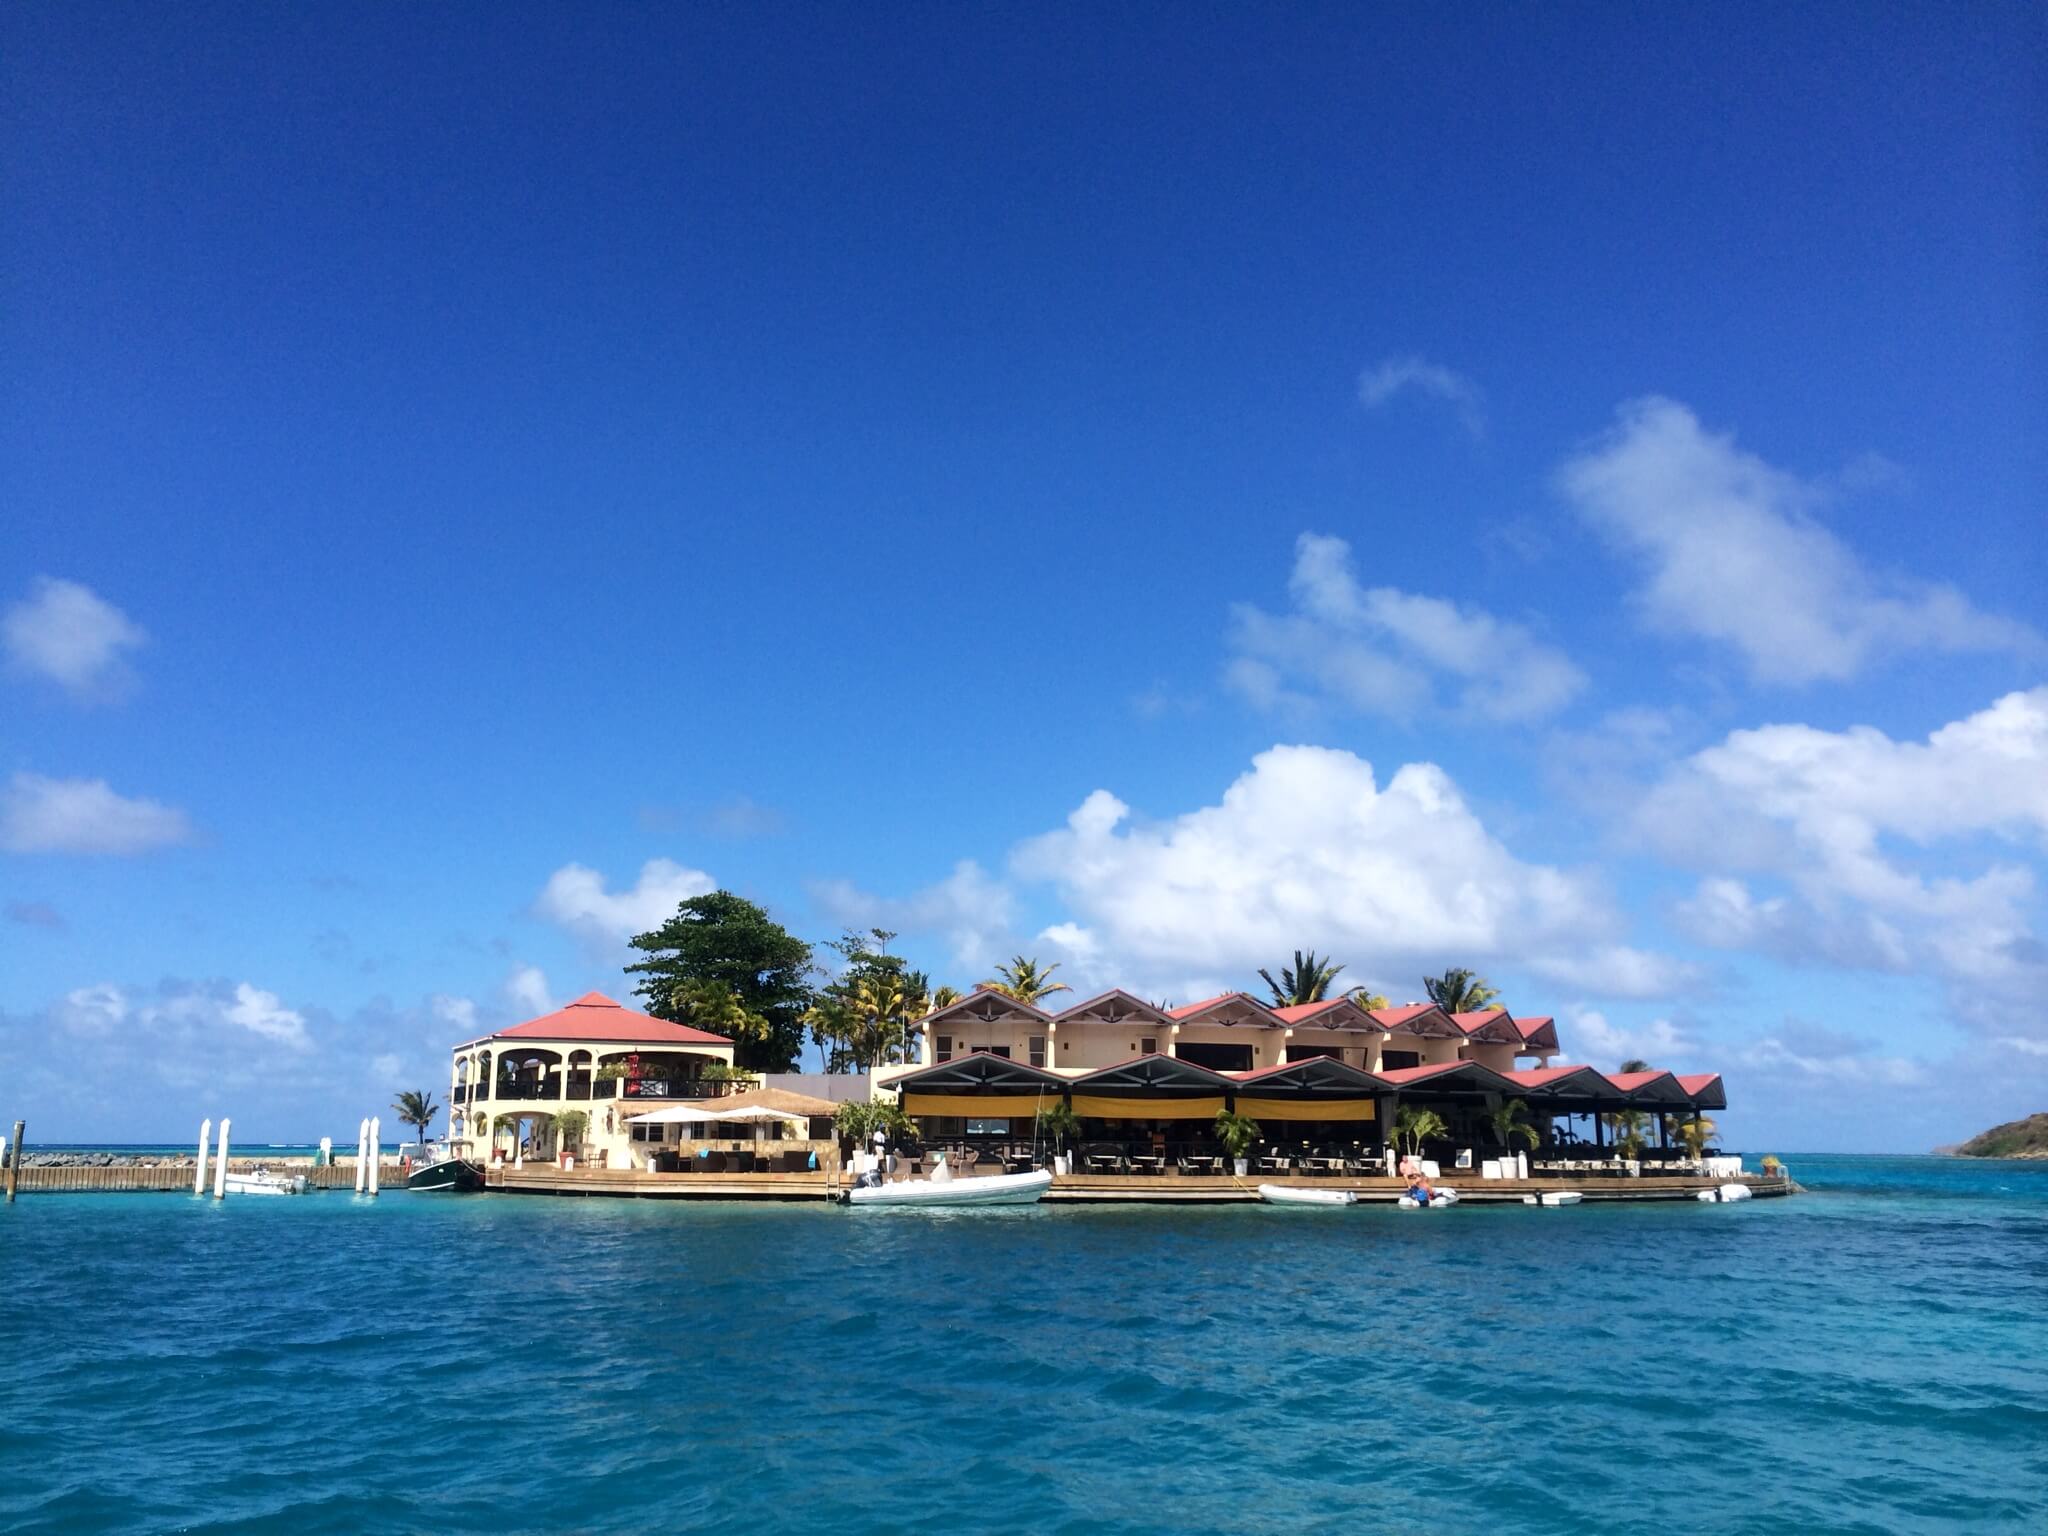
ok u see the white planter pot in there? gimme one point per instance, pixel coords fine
(1242, 1165)
(1060, 1165)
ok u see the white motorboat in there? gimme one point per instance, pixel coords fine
(1438, 1201)
(942, 1190)
(1289, 1194)
(262, 1181)
(1726, 1192)
(1554, 1197)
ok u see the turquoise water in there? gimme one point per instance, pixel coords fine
(1869, 1357)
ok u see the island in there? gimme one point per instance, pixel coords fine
(2016, 1138)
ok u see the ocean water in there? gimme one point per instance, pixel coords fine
(1870, 1357)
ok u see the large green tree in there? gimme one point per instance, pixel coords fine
(727, 941)
(1306, 981)
(862, 1017)
(1459, 991)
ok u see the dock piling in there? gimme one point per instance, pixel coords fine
(205, 1142)
(362, 1166)
(220, 1164)
(14, 1158)
(376, 1152)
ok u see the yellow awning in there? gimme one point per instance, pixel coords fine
(1306, 1109)
(978, 1106)
(1104, 1107)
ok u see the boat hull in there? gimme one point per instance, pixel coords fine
(451, 1176)
(941, 1194)
(1287, 1194)
(265, 1184)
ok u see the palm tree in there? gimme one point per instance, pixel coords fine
(1459, 991)
(1023, 980)
(885, 1005)
(1369, 1001)
(1630, 1127)
(1633, 1064)
(417, 1109)
(1693, 1131)
(1307, 981)
(1412, 1127)
(942, 997)
(1511, 1124)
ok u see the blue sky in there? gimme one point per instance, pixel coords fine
(1561, 493)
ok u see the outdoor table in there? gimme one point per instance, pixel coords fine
(1148, 1161)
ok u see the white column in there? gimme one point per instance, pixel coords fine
(376, 1151)
(205, 1142)
(362, 1163)
(220, 1166)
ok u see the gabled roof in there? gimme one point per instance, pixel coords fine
(1538, 1033)
(1560, 1082)
(1491, 1024)
(1425, 1020)
(1448, 1077)
(593, 1016)
(985, 1007)
(1113, 1007)
(981, 1072)
(1330, 1013)
(1157, 1076)
(1244, 1002)
(1650, 1087)
(1313, 1077)
(1705, 1089)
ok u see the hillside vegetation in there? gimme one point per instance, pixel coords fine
(2016, 1138)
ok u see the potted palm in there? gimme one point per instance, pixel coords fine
(1059, 1124)
(571, 1126)
(1631, 1128)
(1413, 1126)
(1510, 1124)
(1238, 1133)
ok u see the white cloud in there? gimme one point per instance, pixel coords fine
(1380, 650)
(970, 909)
(386, 1066)
(576, 898)
(1307, 849)
(44, 815)
(1864, 834)
(94, 1011)
(261, 1013)
(1390, 376)
(1587, 1036)
(1824, 1056)
(526, 989)
(1733, 554)
(458, 1012)
(69, 634)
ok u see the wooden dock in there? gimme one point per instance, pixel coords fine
(169, 1178)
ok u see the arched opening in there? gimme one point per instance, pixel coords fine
(660, 1075)
(580, 1068)
(481, 1088)
(527, 1073)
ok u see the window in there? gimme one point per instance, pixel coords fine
(988, 1128)
(992, 1050)
(1217, 1058)
(649, 1132)
(1391, 1061)
(1038, 1050)
(945, 1050)
(1148, 1045)
(1310, 1052)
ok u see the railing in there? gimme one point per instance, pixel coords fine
(676, 1087)
(528, 1088)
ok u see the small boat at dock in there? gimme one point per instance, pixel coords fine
(440, 1171)
(1289, 1194)
(942, 1189)
(261, 1181)
(1554, 1197)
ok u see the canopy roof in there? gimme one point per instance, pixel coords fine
(985, 1007)
(1448, 1077)
(983, 1072)
(1315, 1077)
(1156, 1076)
(1116, 1006)
(593, 1016)
(1226, 1009)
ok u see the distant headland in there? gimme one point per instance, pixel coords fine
(2016, 1138)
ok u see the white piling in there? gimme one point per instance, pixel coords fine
(220, 1165)
(205, 1143)
(362, 1163)
(376, 1151)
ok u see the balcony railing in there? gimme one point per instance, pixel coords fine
(676, 1088)
(529, 1088)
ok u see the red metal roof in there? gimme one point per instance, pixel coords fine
(1394, 1018)
(593, 1016)
(1696, 1082)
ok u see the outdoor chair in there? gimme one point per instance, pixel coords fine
(711, 1162)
